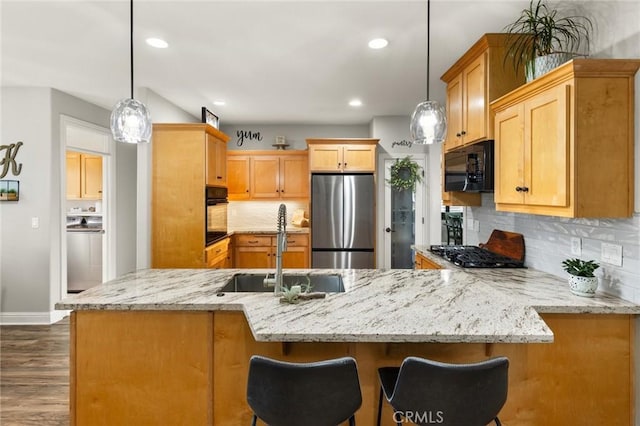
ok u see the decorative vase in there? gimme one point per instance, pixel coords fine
(583, 286)
(543, 64)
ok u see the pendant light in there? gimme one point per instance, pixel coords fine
(130, 119)
(428, 121)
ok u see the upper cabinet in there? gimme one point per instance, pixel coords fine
(268, 175)
(342, 155)
(564, 142)
(477, 78)
(216, 153)
(84, 176)
(183, 163)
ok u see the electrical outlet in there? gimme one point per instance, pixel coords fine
(470, 224)
(576, 246)
(611, 253)
(35, 222)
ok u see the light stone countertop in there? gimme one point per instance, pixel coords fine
(450, 306)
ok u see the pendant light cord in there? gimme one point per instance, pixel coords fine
(428, 41)
(131, 42)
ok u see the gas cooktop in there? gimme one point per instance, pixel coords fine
(475, 257)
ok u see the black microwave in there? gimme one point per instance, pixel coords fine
(470, 168)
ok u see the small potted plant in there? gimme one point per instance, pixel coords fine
(540, 40)
(582, 282)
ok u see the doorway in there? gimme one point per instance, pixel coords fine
(90, 146)
(404, 218)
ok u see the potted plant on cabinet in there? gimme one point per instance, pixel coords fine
(541, 40)
(582, 282)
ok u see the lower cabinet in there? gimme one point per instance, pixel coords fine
(217, 255)
(424, 263)
(259, 251)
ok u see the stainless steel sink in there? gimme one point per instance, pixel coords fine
(328, 283)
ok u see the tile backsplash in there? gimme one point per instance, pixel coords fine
(260, 215)
(548, 243)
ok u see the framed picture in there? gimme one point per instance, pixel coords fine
(210, 118)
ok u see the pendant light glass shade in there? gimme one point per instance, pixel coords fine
(428, 123)
(130, 122)
(130, 119)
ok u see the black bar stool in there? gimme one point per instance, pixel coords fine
(324, 393)
(427, 392)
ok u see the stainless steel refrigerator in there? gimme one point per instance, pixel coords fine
(342, 221)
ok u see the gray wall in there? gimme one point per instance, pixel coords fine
(26, 252)
(31, 259)
(295, 134)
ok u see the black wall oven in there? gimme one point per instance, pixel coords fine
(216, 213)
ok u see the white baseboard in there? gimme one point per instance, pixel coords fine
(31, 318)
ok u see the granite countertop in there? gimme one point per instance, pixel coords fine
(544, 292)
(450, 306)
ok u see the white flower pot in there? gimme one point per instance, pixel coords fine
(583, 286)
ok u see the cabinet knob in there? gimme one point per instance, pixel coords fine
(345, 164)
(219, 177)
(339, 164)
(525, 189)
(247, 190)
(463, 133)
(458, 135)
(518, 189)
(282, 190)
(277, 190)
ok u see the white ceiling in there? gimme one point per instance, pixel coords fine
(272, 62)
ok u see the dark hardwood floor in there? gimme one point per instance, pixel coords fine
(34, 374)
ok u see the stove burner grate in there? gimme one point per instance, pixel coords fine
(475, 257)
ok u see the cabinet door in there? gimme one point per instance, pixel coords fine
(265, 177)
(359, 158)
(238, 172)
(73, 175)
(294, 176)
(475, 105)
(216, 164)
(546, 138)
(221, 162)
(454, 114)
(424, 263)
(295, 257)
(325, 158)
(509, 155)
(252, 257)
(91, 176)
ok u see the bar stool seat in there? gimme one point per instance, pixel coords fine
(324, 393)
(427, 392)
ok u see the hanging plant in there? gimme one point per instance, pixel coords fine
(405, 173)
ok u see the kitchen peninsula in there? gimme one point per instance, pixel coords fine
(166, 347)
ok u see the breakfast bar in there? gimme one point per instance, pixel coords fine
(169, 347)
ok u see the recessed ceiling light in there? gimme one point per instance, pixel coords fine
(157, 43)
(355, 102)
(219, 103)
(378, 43)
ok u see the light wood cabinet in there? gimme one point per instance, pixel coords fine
(84, 176)
(422, 262)
(476, 79)
(342, 155)
(182, 166)
(259, 251)
(564, 142)
(265, 175)
(216, 152)
(216, 255)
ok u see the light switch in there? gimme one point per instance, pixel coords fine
(611, 253)
(35, 222)
(470, 224)
(476, 225)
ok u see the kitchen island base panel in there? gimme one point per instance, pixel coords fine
(191, 368)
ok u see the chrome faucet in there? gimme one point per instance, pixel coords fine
(281, 246)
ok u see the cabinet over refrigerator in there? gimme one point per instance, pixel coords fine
(342, 221)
